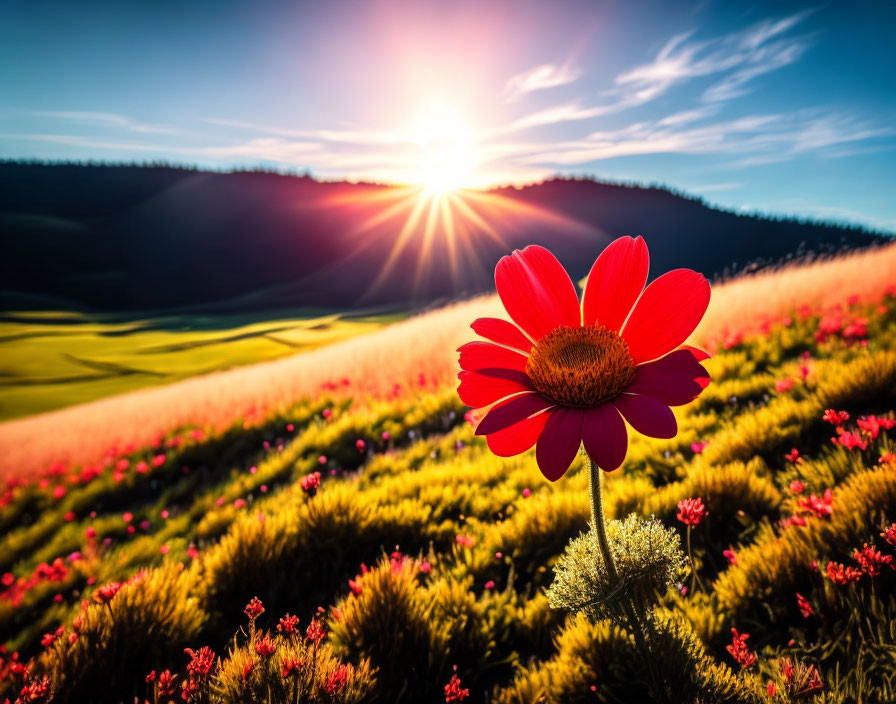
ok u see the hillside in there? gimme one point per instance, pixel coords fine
(140, 238)
(416, 560)
(401, 359)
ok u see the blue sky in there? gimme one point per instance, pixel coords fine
(778, 107)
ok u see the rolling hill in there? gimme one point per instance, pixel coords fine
(113, 238)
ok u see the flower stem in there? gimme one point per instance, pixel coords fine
(600, 528)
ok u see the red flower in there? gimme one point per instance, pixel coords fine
(337, 679)
(731, 556)
(793, 456)
(254, 608)
(738, 649)
(783, 385)
(871, 560)
(453, 690)
(288, 625)
(106, 593)
(797, 486)
(310, 483)
(691, 511)
(166, 684)
(838, 574)
(265, 647)
(873, 425)
(291, 666)
(568, 373)
(849, 440)
(835, 417)
(889, 534)
(315, 631)
(201, 662)
(805, 607)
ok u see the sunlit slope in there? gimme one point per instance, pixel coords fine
(52, 360)
(457, 545)
(416, 353)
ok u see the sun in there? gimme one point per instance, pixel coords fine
(446, 158)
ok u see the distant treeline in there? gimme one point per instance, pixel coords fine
(148, 236)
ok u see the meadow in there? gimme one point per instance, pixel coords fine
(351, 540)
(53, 359)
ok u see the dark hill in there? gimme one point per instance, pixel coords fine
(147, 237)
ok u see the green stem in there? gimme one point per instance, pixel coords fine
(600, 529)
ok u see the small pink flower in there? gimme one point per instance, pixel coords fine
(804, 605)
(527, 493)
(783, 385)
(797, 486)
(731, 556)
(793, 456)
(691, 511)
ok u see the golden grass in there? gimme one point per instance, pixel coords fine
(419, 352)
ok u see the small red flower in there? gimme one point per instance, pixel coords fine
(691, 511)
(291, 666)
(166, 684)
(889, 534)
(454, 692)
(849, 440)
(797, 486)
(201, 662)
(337, 679)
(265, 647)
(872, 560)
(247, 669)
(804, 605)
(315, 631)
(310, 483)
(793, 456)
(106, 593)
(835, 417)
(739, 650)
(254, 608)
(783, 385)
(838, 574)
(566, 372)
(731, 556)
(289, 625)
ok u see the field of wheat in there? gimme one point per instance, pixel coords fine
(353, 541)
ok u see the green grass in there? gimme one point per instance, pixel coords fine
(50, 360)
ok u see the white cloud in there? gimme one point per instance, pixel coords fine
(108, 119)
(540, 78)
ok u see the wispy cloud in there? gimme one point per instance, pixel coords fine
(540, 78)
(108, 120)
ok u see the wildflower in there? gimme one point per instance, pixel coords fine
(291, 666)
(239, 503)
(887, 458)
(247, 669)
(49, 638)
(871, 560)
(849, 440)
(166, 684)
(793, 456)
(127, 516)
(738, 649)
(698, 447)
(558, 374)
(315, 631)
(192, 552)
(265, 647)
(872, 425)
(164, 549)
(337, 679)
(254, 608)
(527, 493)
(360, 444)
(730, 556)
(310, 483)
(327, 413)
(201, 662)
(783, 385)
(691, 511)
(465, 540)
(454, 692)
(889, 534)
(818, 506)
(106, 593)
(490, 584)
(770, 689)
(835, 417)
(90, 533)
(804, 605)
(797, 486)
(838, 574)
(289, 625)
(800, 680)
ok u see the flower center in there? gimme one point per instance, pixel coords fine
(582, 366)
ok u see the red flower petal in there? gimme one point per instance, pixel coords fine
(605, 436)
(511, 411)
(699, 354)
(666, 314)
(647, 415)
(559, 442)
(502, 332)
(676, 379)
(536, 291)
(478, 389)
(517, 438)
(476, 356)
(615, 282)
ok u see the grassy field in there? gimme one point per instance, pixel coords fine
(52, 360)
(428, 556)
(414, 355)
